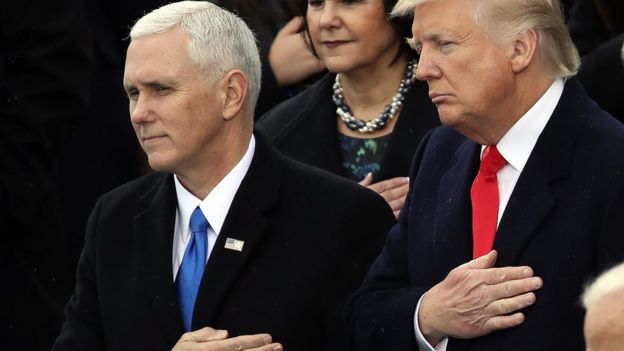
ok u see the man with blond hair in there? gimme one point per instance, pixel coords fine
(604, 320)
(513, 203)
(228, 245)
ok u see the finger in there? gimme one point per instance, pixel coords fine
(368, 180)
(398, 182)
(503, 322)
(396, 213)
(204, 334)
(483, 262)
(503, 274)
(510, 305)
(244, 342)
(392, 194)
(515, 288)
(292, 27)
(270, 347)
(389, 184)
(397, 204)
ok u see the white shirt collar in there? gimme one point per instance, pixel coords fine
(217, 204)
(517, 144)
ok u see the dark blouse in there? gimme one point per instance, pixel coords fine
(362, 156)
(305, 129)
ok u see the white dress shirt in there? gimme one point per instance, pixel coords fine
(516, 147)
(215, 207)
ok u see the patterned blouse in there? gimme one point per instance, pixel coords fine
(362, 156)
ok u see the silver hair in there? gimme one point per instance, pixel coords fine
(219, 40)
(505, 20)
(607, 283)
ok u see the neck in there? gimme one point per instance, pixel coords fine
(529, 89)
(200, 179)
(367, 91)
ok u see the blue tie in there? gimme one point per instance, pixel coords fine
(192, 267)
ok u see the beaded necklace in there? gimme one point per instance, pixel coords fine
(390, 110)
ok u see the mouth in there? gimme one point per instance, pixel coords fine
(332, 44)
(437, 98)
(152, 139)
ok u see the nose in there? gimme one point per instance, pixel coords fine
(140, 109)
(329, 16)
(427, 68)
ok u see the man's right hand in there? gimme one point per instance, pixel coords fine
(476, 299)
(208, 339)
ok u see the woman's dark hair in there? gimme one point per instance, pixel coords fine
(278, 10)
(402, 26)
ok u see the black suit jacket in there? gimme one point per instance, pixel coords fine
(564, 219)
(309, 239)
(304, 128)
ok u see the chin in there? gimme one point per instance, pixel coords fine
(447, 119)
(159, 164)
(336, 66)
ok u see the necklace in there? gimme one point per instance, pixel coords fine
(390, 110)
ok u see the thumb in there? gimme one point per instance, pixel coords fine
(486, 261)
(482, 262)
(368, 180)
(206, 334)
(292, 27)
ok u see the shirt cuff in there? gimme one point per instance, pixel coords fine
(423, 345)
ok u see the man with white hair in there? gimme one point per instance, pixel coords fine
(229, 245)
(513, 203)
(604, 320)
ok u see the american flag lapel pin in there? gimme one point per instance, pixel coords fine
(234, 244)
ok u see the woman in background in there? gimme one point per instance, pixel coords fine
(366, 117)
(287, 64)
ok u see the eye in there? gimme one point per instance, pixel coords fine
(133, 94)
(445, 46)
(162, 90)
(315, 3)
(413, 44)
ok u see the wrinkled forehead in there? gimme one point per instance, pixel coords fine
(165, 54)
(442, 15)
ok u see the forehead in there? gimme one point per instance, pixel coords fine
(439, 16)
(158, 55)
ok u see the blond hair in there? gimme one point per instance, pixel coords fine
(505, 20)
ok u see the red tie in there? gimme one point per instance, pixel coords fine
(484, 196)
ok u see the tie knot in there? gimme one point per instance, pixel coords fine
(492, 161)
(199, 223)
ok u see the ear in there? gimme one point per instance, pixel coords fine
(234, 87)
(522, 51)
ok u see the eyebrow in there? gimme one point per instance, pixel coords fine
(150, 84)
(434, 36)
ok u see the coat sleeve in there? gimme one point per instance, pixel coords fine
(82, 329)
(362, 230)
(380, 316)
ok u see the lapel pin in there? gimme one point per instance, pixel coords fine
(233, 244)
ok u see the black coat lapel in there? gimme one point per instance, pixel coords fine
(453, 218)
(532, 200)
(417, 118)
(154, 229)
(322, 130)
(311, 117)
(246, 222)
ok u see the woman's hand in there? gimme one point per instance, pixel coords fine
(392, 190)
(289, 56)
